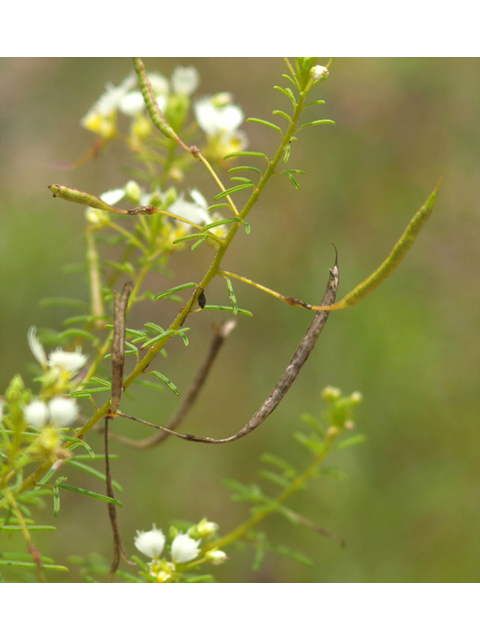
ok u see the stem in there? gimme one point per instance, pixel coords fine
(297, 484)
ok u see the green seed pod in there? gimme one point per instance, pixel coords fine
(81, 197)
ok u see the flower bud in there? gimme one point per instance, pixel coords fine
(215, 556)
(331, 393)
(133, 191)
(318, 72)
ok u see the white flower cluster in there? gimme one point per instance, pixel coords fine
(185, 548)
(196, 211)
(59, 367)
(216, 115)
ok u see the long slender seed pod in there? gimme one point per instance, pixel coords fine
(286, 380)
(81, 197)
(386, 269)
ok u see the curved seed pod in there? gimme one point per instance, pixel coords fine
(286, 380)
(386, 269)
(150, 101)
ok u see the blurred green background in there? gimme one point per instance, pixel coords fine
(409, 507)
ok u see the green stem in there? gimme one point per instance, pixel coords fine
(296, 484)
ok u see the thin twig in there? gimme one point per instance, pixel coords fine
(221, 333)
(291, 372)
(118, 548)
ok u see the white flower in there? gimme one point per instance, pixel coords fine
(318, 72)
(36, 414)
(159, 83)
(63, 411)
(70, 361)
(218, 120)
(113, 196)
(101, 117)
(215, 556)
(36, 346)
(108, 102)
(184, 548)
(150, 543)
(196, 212)
(185, 80)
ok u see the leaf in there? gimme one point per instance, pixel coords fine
(266, 123)
(277, 112)
(313, 422)
(156, 339)
(62, 302)
(275, 478)
(243, 168)
(310, 104)
(231, 295)
(285, 551)
(168, 382)
(242, 179)
(288, 93)
(228, 192)
(105, 383)
(56, 501)
(238, 154)
(289, 469)
(292, 179)
(191, 236)
(15, 563)
(94, 472)
(197, 244)
(79, 333)
(216, 307)
(175, 289)
(314, 123)
(350, 442)
(91, 494)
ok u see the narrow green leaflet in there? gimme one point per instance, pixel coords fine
(168, 382)
(228, 192)
(275, 478)
(350, 442)
(314, 123)
(91, 494)
(16, 563)
(62, 302)
(217, 307)
(288, 93)
(97, 474)
(192, 236)
(266, 123)
(175, 289)
(231, 295)
(289, 470)
(277, 112)
(243, 168)
(56, 501)
(238, 154)
(201, 241)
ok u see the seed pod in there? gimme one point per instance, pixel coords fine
(118, 343)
